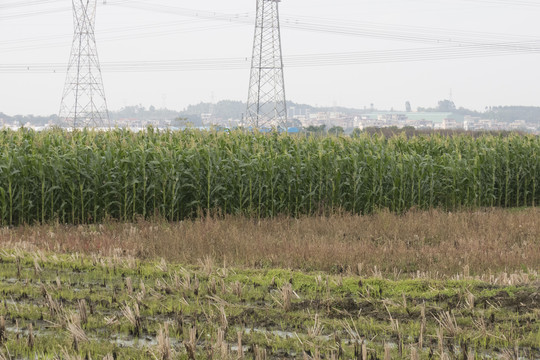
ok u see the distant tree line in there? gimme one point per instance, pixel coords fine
(229, 109)
(506, 114)
(530, 114)
(140, 112)
(392, 131)
(409, 132)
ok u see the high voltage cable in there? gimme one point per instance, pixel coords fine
(33, 44)
(311, 60)
(26, 3)
(495, 2)
(18, 15)
(471, 44)
(324, 23)
(15, 5)
(409, 34)
(34, 13)
(442, 32)
(369, 30)
(106, 31)
(321, 25)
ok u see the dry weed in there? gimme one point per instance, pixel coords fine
(260, 354)
(162, 266)
(365, 352)
(191, 344)
(316, 329)
(164, 343)
(83, 313)
(110, 321)
(285, 296)
(134, 317)
(447, 321)
(207, 265)
(469, 300)
(414, 353)
(484, 240)
(129, 286)
(387, 352)
(237, 289)
(221, 345)
(440, 341)
(142, 292)
(30, 342)
(212, 286)
(73, 326)
(224, 323)
(55, 308)
(240, 346)
(37, 267)
(3, 333)
(67, 356)
(351, 330)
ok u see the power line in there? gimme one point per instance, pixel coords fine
(36, 11)
(450, 44)
(305, 60)
(15, 5)
(339, 27)
(112, 35)
(313, 24)
(493, 2)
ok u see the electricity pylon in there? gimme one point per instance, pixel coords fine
(266, 100)
(83, 101)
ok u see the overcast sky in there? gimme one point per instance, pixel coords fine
(505, 31)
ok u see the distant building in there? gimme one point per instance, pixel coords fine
(449, 124)
(206, 117)
(518, 125)
(392, 118)
(292, 112)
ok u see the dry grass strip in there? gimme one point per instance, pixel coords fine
(427, 241)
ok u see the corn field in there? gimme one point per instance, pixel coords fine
(89, 176)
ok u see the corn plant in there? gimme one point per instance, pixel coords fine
(89, 176)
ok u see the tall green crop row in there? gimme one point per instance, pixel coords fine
(89, 176)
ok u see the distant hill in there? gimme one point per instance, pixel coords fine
(228, 109)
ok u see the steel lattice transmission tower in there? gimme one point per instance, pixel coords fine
(266, 100)
(83, 101)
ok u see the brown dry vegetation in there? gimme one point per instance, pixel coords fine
(435, 242)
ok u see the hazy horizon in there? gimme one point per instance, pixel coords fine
(486, 53)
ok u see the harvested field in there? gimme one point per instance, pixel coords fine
(421, 285)
(75, 306)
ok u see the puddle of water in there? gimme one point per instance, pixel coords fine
(278, 333)
(140, 342)
(135, 342)
(235, 348)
